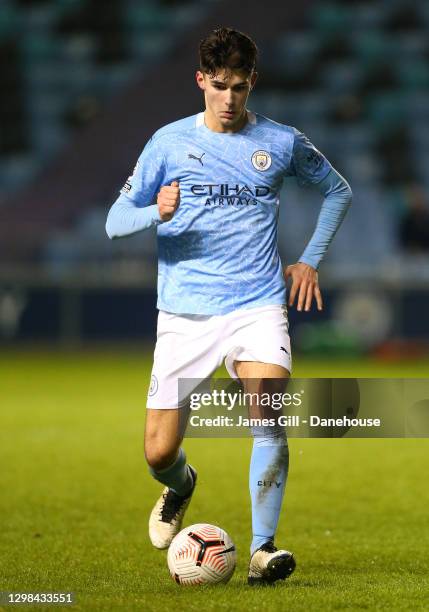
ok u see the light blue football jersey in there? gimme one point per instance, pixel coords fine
(219, 251)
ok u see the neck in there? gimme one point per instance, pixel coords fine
(213, 124)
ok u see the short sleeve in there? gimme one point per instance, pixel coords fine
(148, 175)
(307, 163)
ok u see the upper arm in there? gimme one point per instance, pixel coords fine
(148, 176)
(307, 163)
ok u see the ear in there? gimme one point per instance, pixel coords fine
(199, 76)
(253, 79)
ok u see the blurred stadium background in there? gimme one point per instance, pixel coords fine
(85, 84)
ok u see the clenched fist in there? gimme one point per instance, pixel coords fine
(168, 200)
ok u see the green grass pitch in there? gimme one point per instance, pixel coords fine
(76, 495)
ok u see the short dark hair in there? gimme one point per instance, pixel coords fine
(225, 48)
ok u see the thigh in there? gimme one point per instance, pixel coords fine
(187, 350)
(259, 370)
(259, 341)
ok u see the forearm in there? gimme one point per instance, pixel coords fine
(125, 218)
(338, 197)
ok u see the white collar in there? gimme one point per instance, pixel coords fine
(199, 121)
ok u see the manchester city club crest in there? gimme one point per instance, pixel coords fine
(153, 388)
(261, 160)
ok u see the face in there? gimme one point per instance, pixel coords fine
(226, 96)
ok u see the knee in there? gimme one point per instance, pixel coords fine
(160, 456)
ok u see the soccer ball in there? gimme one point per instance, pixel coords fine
(201, 554)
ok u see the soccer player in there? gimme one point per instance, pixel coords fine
(210, 184)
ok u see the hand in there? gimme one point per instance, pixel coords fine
(304, 283)
(168, 200)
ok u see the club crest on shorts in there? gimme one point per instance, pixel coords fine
(153, 387)
(261, 160)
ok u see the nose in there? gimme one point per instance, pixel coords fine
(229, 98)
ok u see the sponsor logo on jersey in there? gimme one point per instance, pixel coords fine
(223, 189)
(261, 160)
(224, 194)
(200, 159)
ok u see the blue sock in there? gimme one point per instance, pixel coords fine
(177, 476)
(267, 479)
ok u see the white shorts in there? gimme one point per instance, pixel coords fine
(194, 346)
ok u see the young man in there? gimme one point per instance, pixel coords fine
(216, 177)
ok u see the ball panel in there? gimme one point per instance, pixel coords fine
(201, 554)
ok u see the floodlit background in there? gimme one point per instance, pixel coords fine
(84, 84)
